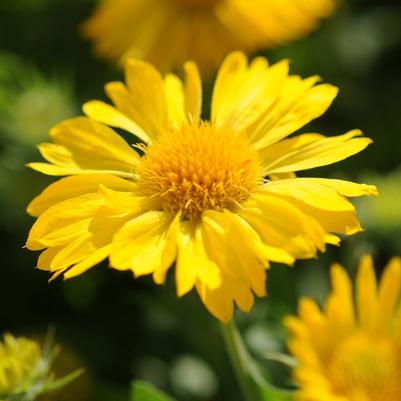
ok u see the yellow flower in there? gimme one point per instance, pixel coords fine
(219, 197)
(25, 369)
(351, 351)
(169, 32)
(19, 360)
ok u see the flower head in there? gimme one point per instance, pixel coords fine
(25, 369)
(350, 351)
(220, 197)
(19, 358)
(169, 32)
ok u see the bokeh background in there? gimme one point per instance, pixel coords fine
(119, 328)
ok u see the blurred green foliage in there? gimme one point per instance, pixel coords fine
(123, 328)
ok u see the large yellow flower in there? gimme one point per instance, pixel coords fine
(219, 197)
(351, 351)
(169, 32)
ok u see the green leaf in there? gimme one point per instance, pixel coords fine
(54, 385)
(142, 391)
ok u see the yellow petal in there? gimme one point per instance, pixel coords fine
(284, 147)
(342, 222)
(57, 154)
(299, 102)
(147, 95)
(245, 263)
(175, 100)
(193, 263)
(346, 188)
(218, 302)
(64, 234)
(305, 355)
(51, 169)
(278, 255)
(342, 288)
(125, 103)
(334, 221)
(311, 192)
(74, 252)
(242, 93)
(71, 187)
(142, 245)
(230, 290)
(332, 239)
(62, 159)
(282, 225)
(320, 152)
(95, 258)
(46, 257)
(388, 296)
(170, 251)
(94, 145)
(192, 92)
(109, 115)
(296, 326)
(276, 22)
(120, 203)
(242, 295)
(63, 215)
(316, 327)
(233, 65)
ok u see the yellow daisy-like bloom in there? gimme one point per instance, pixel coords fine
(169, 32)
(351, 351)
(219, 197)
(19, 360)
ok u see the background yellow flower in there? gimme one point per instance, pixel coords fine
(19, 360)
(219, 197)
(26, 369)
(351, 351)
(169, 32)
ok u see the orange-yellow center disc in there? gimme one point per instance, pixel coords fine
(193, 169)
(366, 368)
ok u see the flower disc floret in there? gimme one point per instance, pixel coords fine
(197, 168)
(365, 362)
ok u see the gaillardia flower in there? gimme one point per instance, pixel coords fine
(219, 197)
(350, 351)
(169, 32)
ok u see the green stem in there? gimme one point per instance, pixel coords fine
(240, 360)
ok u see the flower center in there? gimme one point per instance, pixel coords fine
(366, 368)
(193, 169)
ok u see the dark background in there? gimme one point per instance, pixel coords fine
(119, 328)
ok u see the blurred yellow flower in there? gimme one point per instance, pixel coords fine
(19, 360)
(169, 32)
(351, 351)
(26, 369)
(219, 197)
